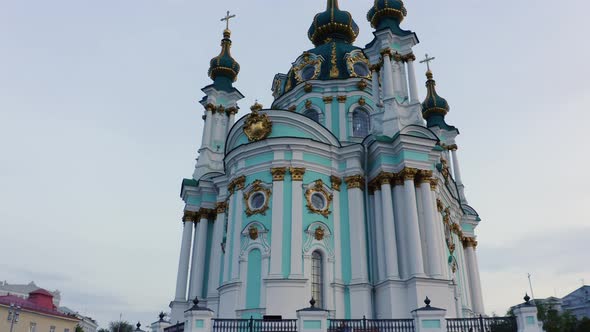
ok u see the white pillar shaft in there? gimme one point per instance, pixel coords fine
(380, 236)
(194, 267)
(401, 226)
(237, 236)
(276, 251)
(404, 79)
(208, 124)
(230, 122)
(215, 261)
(440, 236)
(413, 229)
(412, 82)
(219, 129)
(375, 87)
(337, 236)
(183, 264)
(389, 233)
(357, 235)
(397, 81)
(201, 245)
(329, 116)
(229, 237)
(387, 78)
(434, 255)
(342, 116)
(456, 168)
(474, 281)
(297, 230)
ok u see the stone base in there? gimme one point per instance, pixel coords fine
(177, 309)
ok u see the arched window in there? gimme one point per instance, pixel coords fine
(360, 123)
(312, 114)
(317, 278)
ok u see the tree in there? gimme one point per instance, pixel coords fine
(78, 328)
(555, 321)
(120, 326)
(103, 330)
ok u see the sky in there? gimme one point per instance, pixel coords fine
(99, 123)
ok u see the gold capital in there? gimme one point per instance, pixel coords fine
(423, 176)
(433, 184)
(469, 242)
(439, 205)
(191, 216)
(297, 173)
(221, 207)
(355, 182)
(387, 51)
(328, 99)
(409, 173)
(362, 84)
(342, 99)
(278, 173)
(336, 182)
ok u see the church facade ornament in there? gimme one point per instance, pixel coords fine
(318, 234)
(221, 207)
(257, 126)
(257, 198)
(278, 173)
(336, 182)
(355, 182)
(297, 173)
(318, 198)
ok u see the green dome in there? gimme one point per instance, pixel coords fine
(387, 14)
(223, 68)
(434, 107)
(333, 23)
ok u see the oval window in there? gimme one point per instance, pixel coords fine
(257, 201)
(361, 69)
(308, 72)
(318, 201)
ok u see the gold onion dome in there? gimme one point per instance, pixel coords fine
(332, 23)
(224, 69)
(434, 107)
(387, 14)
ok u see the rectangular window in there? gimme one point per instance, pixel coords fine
(66, 330)
(52, 329)
(33, 327)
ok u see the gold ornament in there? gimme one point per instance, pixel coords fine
(362, 101)
(355, 182)
(362, 85)
(297, 173)
(334, 72)
(319, 233)
(257, 126)
(336, 182)
(253, 232)
(307, 87)
(328, 99)
(278, 173)
(221, 207)
(342, 99)
(257, 187)
(318, 188)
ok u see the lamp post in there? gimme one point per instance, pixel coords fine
(13, 314)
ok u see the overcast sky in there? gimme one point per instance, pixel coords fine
(99, 122)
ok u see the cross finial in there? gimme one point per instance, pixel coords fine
(226, 19)
(427, 61)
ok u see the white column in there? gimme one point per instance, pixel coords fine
(276, 249)
(215, 260)
(388, 235)
(201, 249)
(401, 226)
(297, 222)
(456, 169)
(237, 235)
(413, 230)
(404, 78)
(375, 85)
(434, 256)
(230, 230)
(473, 275)
(194, 267)
(412, 80)
(387, 75)
(380, 237)
(183, 264)
(207, 131)
(440, 235)
(232, 118)
(219, 131)
(397, 76)
(358, 248)
(264, 275)
(336, 182)
(328, 109)
(342, 116)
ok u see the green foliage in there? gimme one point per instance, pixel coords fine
(103, 330)
(79, 328)
(120, 326)
(554, 321)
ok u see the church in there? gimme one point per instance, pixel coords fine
(347, 190)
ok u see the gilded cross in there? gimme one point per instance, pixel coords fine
(226, 19)
(427, 61)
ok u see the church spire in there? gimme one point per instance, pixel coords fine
(224, 69)
(388, 14)
(332, 23)
(434, 107)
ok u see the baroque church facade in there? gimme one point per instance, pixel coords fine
(346, 190)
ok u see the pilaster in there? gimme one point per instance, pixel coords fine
(413, 230)
(276, 252)
(297, 222)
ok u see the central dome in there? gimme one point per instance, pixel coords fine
(332, 23)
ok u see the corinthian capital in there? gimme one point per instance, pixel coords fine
(355, 182)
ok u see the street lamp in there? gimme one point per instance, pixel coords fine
(13, 314)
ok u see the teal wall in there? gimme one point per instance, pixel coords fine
(266, 218)
(259, 159)
(254, 279)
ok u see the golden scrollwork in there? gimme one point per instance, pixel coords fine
(318, 189)
(387, 51)
(308, 104)
(409, 57)
(236, 184)
(308, 60)
(253, 232)
(278, 173)
(307, 87)
(433, 184)
(292, 108)
(384, 178)
(336, 182)
(469, 242)
(439, 205)
(423, 176)
(221, 207)
(257, 188)
(398, 57)
(319, 233)
(231, 111)
(362, 101)
(257, 126)
(362, 85)
(297, 173)
(445, 170)
(342, 99)
(334, 72)
(354, 58)
(190, 216)
(328, 99)
(376, 67)
(355, 182)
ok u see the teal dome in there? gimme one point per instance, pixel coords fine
(224, 69)
(434, 107)
(333, 23)
(387, 14)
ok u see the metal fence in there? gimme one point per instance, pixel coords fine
(254, 325)
(482, 324)
(371, 325)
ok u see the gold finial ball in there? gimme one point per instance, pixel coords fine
(429, 74)
(226, 33)
(256, 107)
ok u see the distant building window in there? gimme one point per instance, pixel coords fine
(360, 123)
(33, 327)
(66, 330)
(52, 329)
(312, 114)
(317, 280)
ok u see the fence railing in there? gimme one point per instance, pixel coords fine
(371, 325)
(254, 325)
(482, 324)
